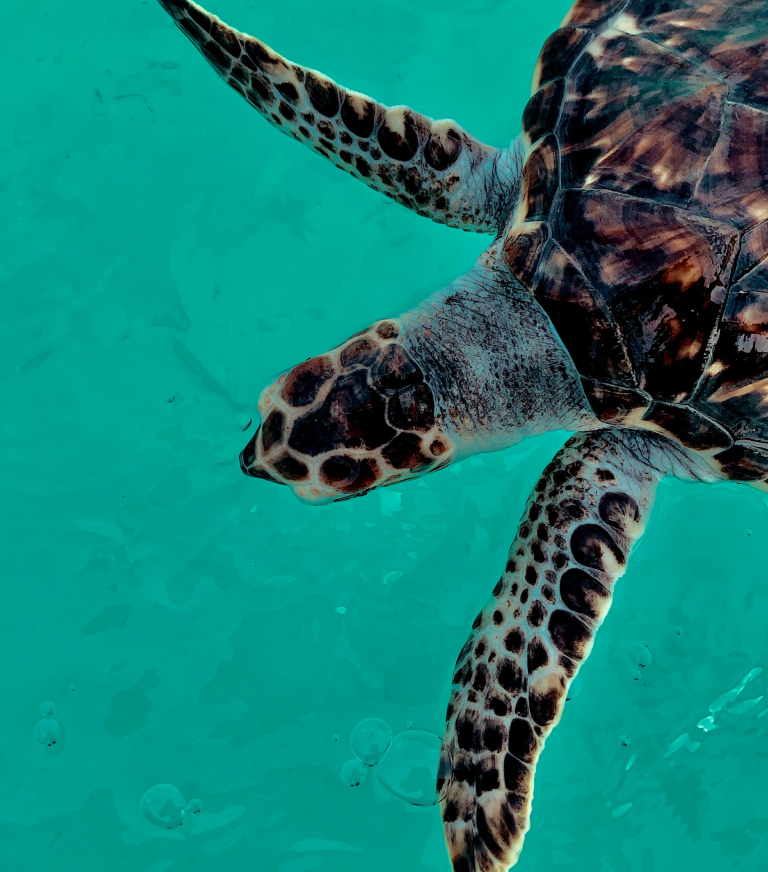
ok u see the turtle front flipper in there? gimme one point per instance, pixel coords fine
(434, 167)
(586, 512)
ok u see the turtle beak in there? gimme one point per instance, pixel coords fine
(250, 465)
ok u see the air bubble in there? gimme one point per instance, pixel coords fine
(163, 806)
(47, 709)
(370, 739)
(412, 767)
(47, 732)
(353, 773)
(640, 654)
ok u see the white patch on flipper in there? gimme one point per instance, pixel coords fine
(628, 24)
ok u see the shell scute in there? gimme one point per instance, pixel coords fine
(735, 183)
(541, 180)
(523, 249)
(581, 319)
(543, 110)
(591, 13)
(657, 112)
(688, 426)
(558, 54)
(734, 390)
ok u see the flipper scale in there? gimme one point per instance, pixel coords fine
(435, 168)
(528, 643)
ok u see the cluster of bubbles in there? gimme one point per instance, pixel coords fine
(407, 766)
(163, 806)
(47, 730)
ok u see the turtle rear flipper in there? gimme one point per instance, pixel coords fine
(512, 677)
(433, 167)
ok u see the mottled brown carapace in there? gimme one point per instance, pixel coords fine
(642, 225)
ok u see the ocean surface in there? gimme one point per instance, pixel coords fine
(186, 652)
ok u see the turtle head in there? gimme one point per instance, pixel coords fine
(339, 425)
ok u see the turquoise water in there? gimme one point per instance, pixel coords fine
(164, 255)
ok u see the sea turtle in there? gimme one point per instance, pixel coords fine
(624, 297)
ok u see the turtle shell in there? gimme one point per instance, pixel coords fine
(642, 222)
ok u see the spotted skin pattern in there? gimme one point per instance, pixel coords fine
(340, 424)
(511, 679)
(435, 168)
(625, 296)
(642, 224)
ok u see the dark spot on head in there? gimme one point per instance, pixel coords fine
(285, 110)
(619, 510)
(510, 676)
(478, 621)
(515, 587)
(531, 574)
(521, 707)
(404, 452)
(412, 408)
(542, 532)
(559, 560)
(511, 566)
(498, 618)
(589, 543)
(514, 641)
(395, 369)
(323, 94)
(359, 352)
(538, 552)
(350, 417)
(497, 591)
(548, 593)
(272, 430)
(305, 380)
(524, 532)
(290, 468)
(524, 596)
(304, 132)
(534, 512)
(569, 634)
